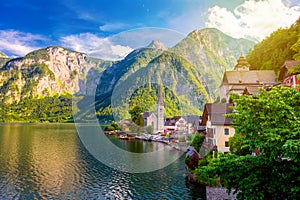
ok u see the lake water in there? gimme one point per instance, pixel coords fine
(48, 161)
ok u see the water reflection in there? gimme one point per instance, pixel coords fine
(49, 162)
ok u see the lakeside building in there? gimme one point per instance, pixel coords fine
(150, 119)
(156, 121)
(176, 124)
(160, 112)
(218, 127)
(242, 78)
(193, 123)
(290, 80)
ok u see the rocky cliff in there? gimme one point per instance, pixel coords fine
(49, 71)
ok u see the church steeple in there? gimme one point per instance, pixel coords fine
(159, 100)
(160, 111)
(242, 64)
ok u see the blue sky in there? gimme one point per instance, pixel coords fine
(97, 26)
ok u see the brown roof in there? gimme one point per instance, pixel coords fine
(237, 87)
(285, 67)
(251, 90)
(172, 121)
(290, 63)
(216, 113)
(146, 114)
(250, 77)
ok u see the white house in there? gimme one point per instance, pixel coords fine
(218, 127)
(150, 119)
(176, 124)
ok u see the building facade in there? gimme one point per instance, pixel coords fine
(242, 77)
(150, 119)
(291, 80)
(156, 121)
(218, 127)
(176, 124)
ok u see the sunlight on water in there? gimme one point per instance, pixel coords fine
(48, 161)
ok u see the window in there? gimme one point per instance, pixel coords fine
(226, 131)
(226, 144)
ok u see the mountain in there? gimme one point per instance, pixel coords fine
(2, 55)
(3, 58)
(156, 44)
(135, 81)
(121, 71)
(49, 71)
(40, 85)
(212, 52)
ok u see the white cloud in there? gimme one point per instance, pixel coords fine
(253, 19)
(112, 26)
(19, 43)
(95, 46)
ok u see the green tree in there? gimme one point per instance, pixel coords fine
(296, 48)
(237, 146)
(197, 141)
(270, 124)
(149, 129)
(110, 128)
(140, 121)
(274, 50)
(135, 113)
(116, 125)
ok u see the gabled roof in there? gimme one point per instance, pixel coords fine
(285, 67)
(147, 114)
(216, 113)
(172, 121)
(250, 77)
(290, 63)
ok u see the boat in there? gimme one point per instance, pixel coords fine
(123, 137)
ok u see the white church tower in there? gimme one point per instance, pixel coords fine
(160, 112)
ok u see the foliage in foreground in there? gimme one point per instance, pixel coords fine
(270, 125)
(197, 141)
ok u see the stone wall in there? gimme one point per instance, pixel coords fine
(218, 193)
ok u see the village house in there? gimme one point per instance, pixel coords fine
(193, 122)
(176, 124)
(242, 77)
(218, 127)
(289, 80)
(150, 119)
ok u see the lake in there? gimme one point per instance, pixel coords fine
(48, 161)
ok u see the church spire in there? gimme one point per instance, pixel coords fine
(160, 111)
(159, 100)
(242, 64)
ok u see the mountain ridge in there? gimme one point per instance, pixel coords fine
(194, 62)
(48, 71)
